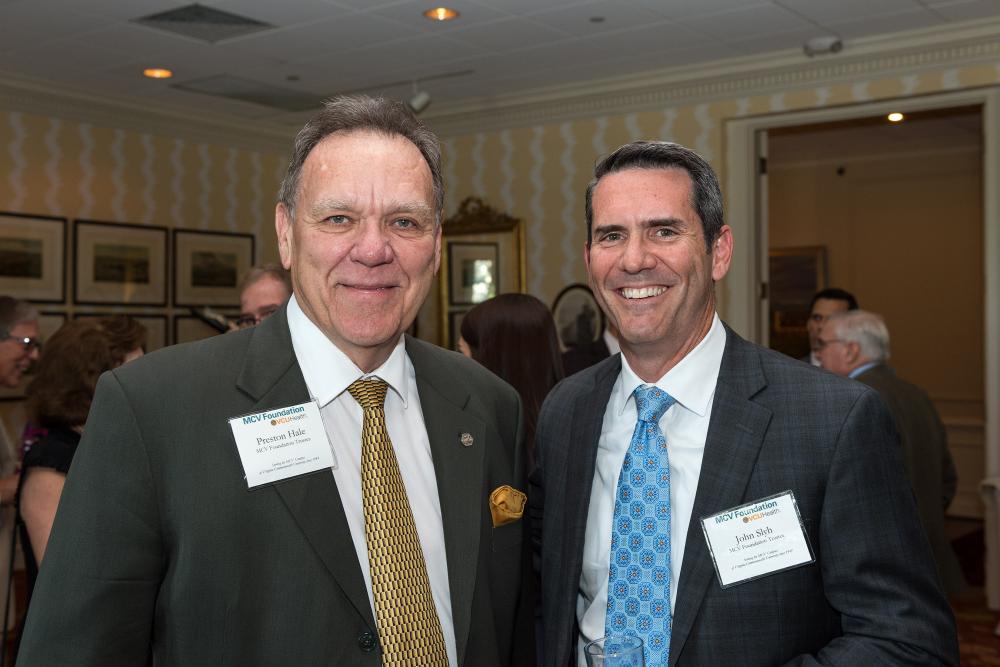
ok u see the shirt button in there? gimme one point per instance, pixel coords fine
(366, 641)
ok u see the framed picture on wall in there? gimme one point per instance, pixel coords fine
(156, 327)
(794, 276)
(208, 267)
(578, 318)
(474, 270)
(33, 257)
(117, 263)
(48, 324)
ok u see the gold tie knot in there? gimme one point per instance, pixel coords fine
(369, 393)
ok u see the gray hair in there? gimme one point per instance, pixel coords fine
(13, 312)
(269, 270)
(706, 195)
(866, 329)
(360, 113)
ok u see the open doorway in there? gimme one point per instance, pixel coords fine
(892, 212)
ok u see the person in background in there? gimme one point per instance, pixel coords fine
(825, 303)
(59, 399)
(19, 348)
(855, 344)
(514, 336)
(263, 290)
(585, 355)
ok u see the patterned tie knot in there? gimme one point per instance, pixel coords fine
(370, 393)
(651, 403)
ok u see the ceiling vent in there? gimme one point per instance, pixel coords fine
(203, 23)
(246, 90)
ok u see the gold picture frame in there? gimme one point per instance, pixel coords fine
(794, 276)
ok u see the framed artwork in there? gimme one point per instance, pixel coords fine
(208, 267)
(156, 327)
(33, 257)
(188, 328)
(794, 276)
(48, 324)
(579, 320)
(484, 255)
(474, 270)
(119, 264)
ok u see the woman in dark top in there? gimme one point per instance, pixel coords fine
(514, 336)
(58, 400)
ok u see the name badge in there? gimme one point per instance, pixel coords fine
(282, 443)
(757, 539)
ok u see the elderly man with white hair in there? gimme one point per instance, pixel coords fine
(856, 344)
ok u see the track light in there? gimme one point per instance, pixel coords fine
(420, 100)
(822, 45)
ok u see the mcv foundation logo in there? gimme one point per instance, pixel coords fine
(750, 512)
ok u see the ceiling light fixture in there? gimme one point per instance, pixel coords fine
(826, 44)
(441, 14)
(157, 73)
(895, 117)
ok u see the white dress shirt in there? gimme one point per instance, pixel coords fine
(685, 426)
(328, 372)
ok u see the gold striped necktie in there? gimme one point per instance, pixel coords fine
(408, 625)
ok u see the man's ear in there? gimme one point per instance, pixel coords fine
(853, 352)
(283, 228)
(722, 253)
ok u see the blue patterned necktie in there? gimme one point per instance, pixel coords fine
(639, 576)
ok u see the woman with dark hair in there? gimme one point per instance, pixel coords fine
(58, 400)
(514, 336)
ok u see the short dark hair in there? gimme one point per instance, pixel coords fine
(706, 194)
(13, 312)
(347, 113)
(269, 270)
(75, 356)
(834, 294)
(514, 336)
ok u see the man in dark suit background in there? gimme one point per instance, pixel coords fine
(825, 303)
(855, 344)
(410, 552)
(619, 476)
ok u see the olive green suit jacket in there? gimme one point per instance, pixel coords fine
(160, 554)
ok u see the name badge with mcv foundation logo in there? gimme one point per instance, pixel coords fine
(757, 539)
(281, 443)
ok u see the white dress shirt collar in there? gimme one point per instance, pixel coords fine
(691, 382)
(329, 372)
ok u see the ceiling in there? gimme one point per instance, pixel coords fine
(317, 48)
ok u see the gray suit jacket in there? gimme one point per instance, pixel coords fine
(871, 597)
(927, 460)
(160, 552)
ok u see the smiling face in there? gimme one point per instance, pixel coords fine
(364, 246)
(14, 358)
(649, 266)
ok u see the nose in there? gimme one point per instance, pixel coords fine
(372, 244)
(636, 256)
(34, 354)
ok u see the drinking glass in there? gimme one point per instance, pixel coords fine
(615, 651)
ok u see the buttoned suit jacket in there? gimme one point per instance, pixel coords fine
(870, 598)
(159, 552)
(927, 460)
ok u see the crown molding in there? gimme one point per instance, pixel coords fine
(899, 53)
(36, 97)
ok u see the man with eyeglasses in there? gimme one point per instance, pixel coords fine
(18, 339)
(263, 291)
(825, 303)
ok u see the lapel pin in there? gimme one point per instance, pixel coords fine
(467, 440)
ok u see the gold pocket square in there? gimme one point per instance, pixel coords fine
(506, 505)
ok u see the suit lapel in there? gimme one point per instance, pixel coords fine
(272, 377)
(586, 419)
(460, 476)
(735, 434)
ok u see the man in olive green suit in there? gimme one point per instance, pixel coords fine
(161, 552)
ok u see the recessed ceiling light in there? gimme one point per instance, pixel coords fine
(597, 19)
(157, 73)
(441, 14)
(895, 117)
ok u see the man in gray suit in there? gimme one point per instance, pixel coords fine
(646, 459)
(316, 490)
(855, 344)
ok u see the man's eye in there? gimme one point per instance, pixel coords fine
(404, 223)
(664, 232)
(338, 219)
(612, 236)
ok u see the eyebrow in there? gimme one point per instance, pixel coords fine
(323, 206)
(646, 224)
